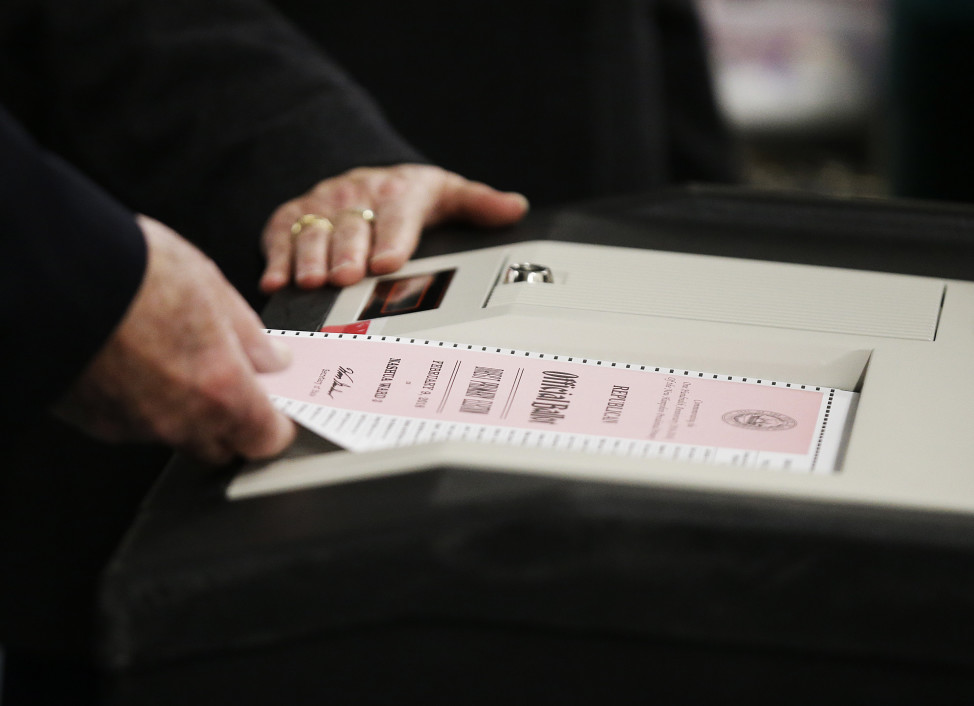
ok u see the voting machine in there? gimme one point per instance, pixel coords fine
(635, 442)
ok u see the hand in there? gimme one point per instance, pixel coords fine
(404, 199)
(180, 368)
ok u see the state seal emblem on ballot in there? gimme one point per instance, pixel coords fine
(759, 420)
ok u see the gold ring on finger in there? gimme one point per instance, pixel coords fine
(366, 214)
(309, 219)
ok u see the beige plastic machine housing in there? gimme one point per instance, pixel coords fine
(905, 343)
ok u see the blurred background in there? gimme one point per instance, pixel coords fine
(848, 97)
(844, 97)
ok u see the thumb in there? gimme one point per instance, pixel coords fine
(267, 354)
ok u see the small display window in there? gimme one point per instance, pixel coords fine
(407, 295)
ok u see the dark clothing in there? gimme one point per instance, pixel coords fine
(204, 115)
(558, 99)
(73, 258)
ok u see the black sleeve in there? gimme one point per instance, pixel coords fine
(72, 260)
(204, 114)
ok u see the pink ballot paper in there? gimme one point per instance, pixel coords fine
(372, 392)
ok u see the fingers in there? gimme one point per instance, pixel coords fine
(481, 205)
(234, 415)
(230, 416)
(296, 244)
(325, 249)
(404, 199)
(215, 409)
(448, 197)
(350, 246)
(256, 429)
(277, 250)
(181, 367)
(265, 354)
(397, 230)
(310, 245)
(222, 412)
(275, 433)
